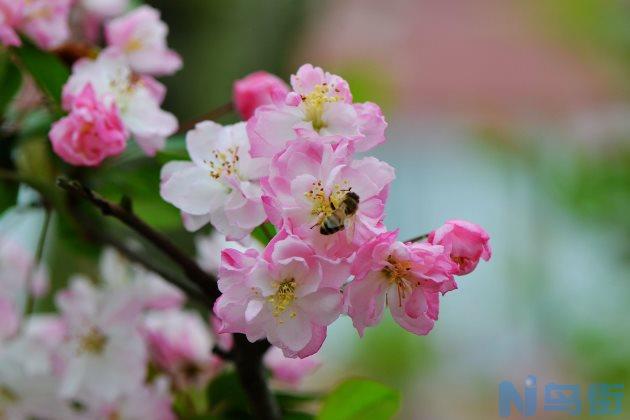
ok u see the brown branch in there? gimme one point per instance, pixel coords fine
(211, 115)
(246, 356)
(204, 281)
(417, 238)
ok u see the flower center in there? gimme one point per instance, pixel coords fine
(224, 163)
(325, 204)
(133, 45)
(396, 273)
(93, 342)
(284, 297)
(314, 105)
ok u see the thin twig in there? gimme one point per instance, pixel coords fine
(417, 238)
(203, 280)
(39, 253)
(247, 356)
(211, 115)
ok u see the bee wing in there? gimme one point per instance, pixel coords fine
(350, 227)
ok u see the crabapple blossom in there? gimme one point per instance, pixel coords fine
(46, 22)
(152, 290)
(103, 342)
(319, 108)
(465, 242)
(91, 132)
(11, 12)
(309, 183)
(289, 371)
(151, 401)
(220, 185)
(141, 36)
(257, 89)
(180, 344)
(407, 278)
(209, 249)
(288, 294)
(137, 98)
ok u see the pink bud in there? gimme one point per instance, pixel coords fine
(465, 242)
(256, 89)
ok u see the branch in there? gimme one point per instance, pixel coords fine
(203, 280)
(247, 356)
(211, 115)
(417, 238)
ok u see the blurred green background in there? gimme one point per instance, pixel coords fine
(514, 115)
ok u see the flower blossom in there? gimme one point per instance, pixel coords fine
(288, 294)
(29, 370)
(220, 185)
(11, 12)
(151, 401)
(46, 22)
(320, 108)
(137, 98)
(257, 89)
(407, 278)
(289, 371)
(180, 344)
(91, 132)
(151, 290)
(103, 342)
(465, 242)
(312, 187)
(209, 249)
(141, 36)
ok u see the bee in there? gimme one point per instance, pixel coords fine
(336, 221)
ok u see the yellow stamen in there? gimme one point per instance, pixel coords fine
(283, 298)
(314, 105)
(224, 163)
(93, 342)
(396, 273)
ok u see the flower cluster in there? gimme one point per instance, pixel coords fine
(293, 163)
(92, 359)
(114, 95)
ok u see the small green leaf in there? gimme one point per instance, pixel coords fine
(10, 83)
(357, 399)
(264, 233)
(49, 72)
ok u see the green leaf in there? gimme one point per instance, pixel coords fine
(357, 399)
(10, 82)
(49, 72)
(264, 233)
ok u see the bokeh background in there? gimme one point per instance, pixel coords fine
(514, 115)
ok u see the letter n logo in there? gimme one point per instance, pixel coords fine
(509, 396)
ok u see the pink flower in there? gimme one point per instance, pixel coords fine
(288, 294)
(465, 242)
(220, 185)
(151, 290)
(209, 249)
(180, 344)
(11, 12)
(319, 108)
(309, 186)
(138, 98)
(405, 277)
(148, 401)
(141, 36)
(47, 22)
(104, 342)
(91, 132)
(257, 89)
(289, 371)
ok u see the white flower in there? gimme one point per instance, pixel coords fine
(220, 185)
